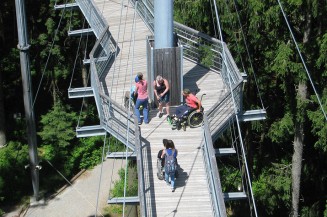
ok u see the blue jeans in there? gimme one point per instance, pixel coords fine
(181, 110)
(144, 103)
(172, 179)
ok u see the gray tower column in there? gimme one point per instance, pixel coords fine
(23, 46)
(165, 58)
(163, 24)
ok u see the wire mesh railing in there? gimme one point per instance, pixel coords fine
(145, 9)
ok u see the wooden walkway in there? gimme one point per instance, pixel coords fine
(192, 196)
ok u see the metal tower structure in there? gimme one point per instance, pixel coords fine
(23, 47)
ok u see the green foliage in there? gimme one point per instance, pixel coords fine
(319, 126)
(325, 212)
(13, 175)
(88, 152)
(273, 188)
(281, 130)
(118, 189)
(230, 177)
(57, 128)
(113, 210)
(322, 59)
(58, 137)
(195, 14)
(131, 186)
(311, 211)
(206, 55)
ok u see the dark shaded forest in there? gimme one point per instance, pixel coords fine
(287, 152)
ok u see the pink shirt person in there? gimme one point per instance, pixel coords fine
(141, 88)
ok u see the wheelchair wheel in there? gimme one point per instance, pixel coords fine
(160, 170)
(195, 119)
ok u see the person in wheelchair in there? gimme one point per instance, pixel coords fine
(192, 103)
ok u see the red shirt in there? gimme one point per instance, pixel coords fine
(191, 101)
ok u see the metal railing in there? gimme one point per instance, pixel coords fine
(145, 9)
(95, 19)
(198, 47)
(204, 50)
(140, 174)
(114, 118)
(212, 171)
(221, 112)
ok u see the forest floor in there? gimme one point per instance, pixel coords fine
(80, 198)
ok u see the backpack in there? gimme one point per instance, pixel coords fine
(170, 163)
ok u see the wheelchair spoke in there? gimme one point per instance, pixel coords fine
(195, 119)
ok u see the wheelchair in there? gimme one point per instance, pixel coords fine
(129, 101)
(191, 118)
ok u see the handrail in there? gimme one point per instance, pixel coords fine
(141, 184)
(145, 9)
(212, 171)
(93, 16)
(113, 117)
(207, 51)
(198, 47)
(219, 113)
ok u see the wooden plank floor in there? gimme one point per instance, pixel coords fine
(192, 196)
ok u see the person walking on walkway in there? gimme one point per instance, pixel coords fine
(142, 99)
(170, 155)
(162, 93)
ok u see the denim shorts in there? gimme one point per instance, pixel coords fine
(164, 98)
